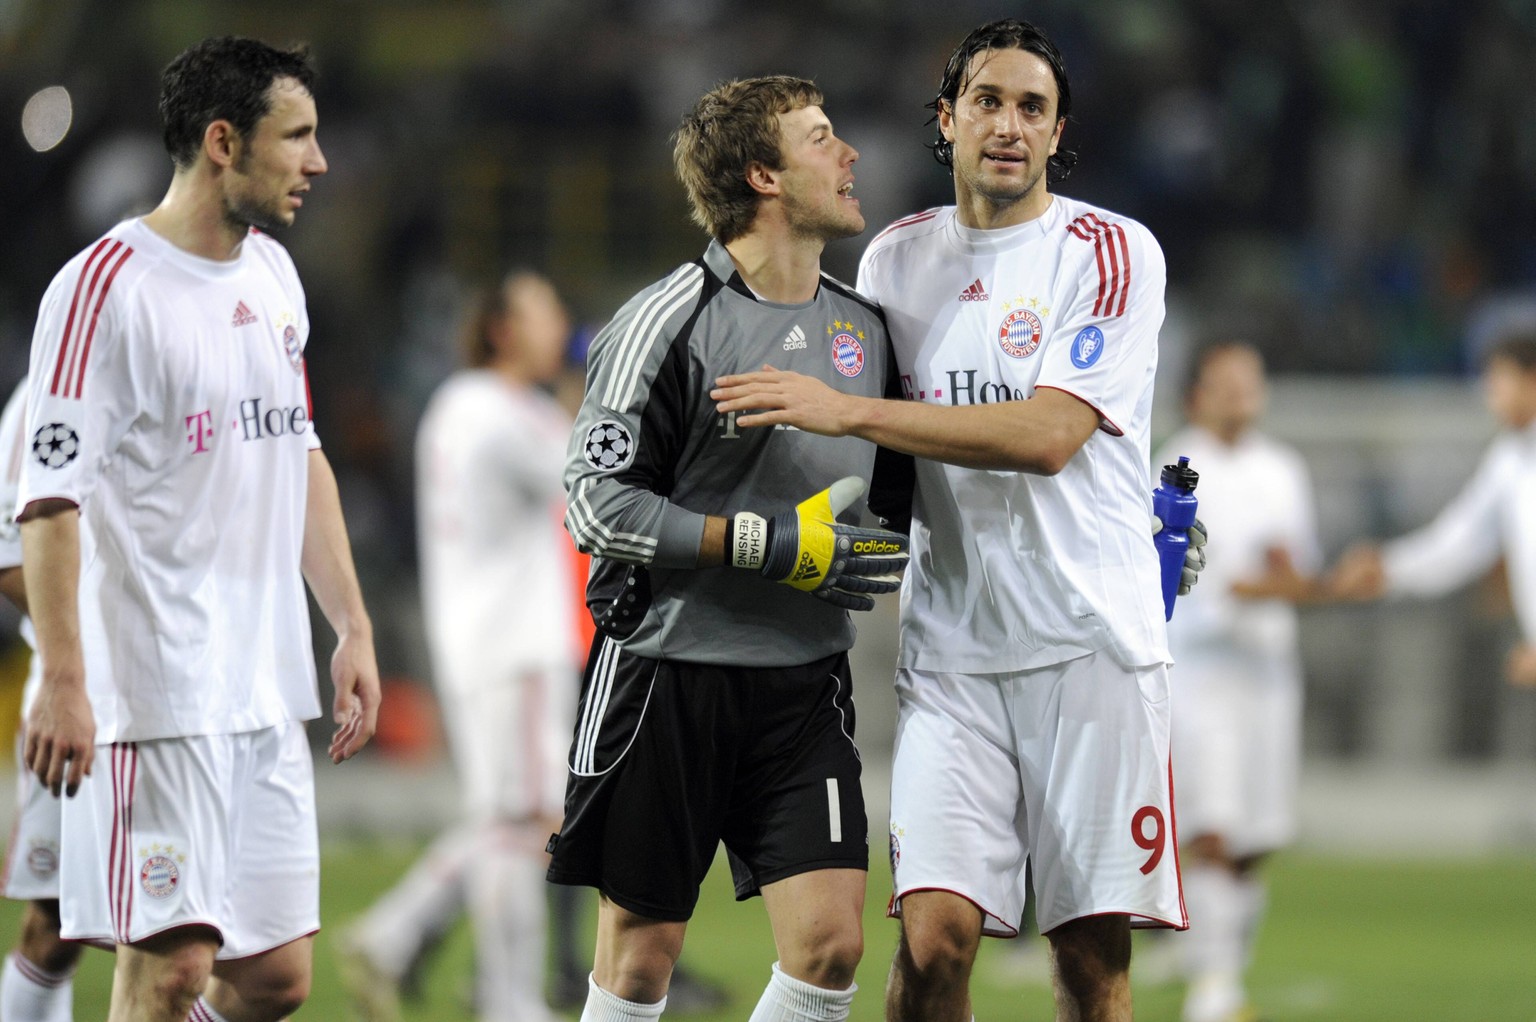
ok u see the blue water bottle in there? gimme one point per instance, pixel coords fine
(1174, 502)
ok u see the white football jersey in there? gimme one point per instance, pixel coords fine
(497, 577)
(1012, 571)
(1493, 515)
(1254, 495)
(12, 450)
(168, 399)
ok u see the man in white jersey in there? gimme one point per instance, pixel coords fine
(174, 500)
(1493, 516)
(497, 593)
(1238, 684)
(1032, 681)
(37, 982)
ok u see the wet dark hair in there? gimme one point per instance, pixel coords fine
(223, 79)
(1005, 34)
(1519, 348)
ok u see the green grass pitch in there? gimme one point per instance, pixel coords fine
(1346, 940)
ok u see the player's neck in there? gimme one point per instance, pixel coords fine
(193, 220)
(980, 213)
(777, 266)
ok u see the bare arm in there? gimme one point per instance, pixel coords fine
(61, 731)
(13, 587)
(1039, 435)
(332, 577)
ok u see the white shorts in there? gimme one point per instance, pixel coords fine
(32, 857)
(1065, 767)
(509, 742)
(1237, 748)
(217, 830)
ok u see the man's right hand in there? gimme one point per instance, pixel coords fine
(808, 548)
(61, 735)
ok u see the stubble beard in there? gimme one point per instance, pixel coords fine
(243, 213)
(1002, 195)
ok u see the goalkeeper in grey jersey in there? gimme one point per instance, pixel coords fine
(717, 701)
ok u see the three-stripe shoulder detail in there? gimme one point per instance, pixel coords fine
(91, 288)
(632, 348)
(1112, 253)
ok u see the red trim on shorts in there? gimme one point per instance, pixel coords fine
(893, 910)
(125, 757)
(1173, 835)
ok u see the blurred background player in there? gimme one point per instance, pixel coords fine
(1493, 516)
(1237, 683)
(497, 597)
(36, 984)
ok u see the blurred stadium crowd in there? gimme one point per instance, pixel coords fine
(1345, 184)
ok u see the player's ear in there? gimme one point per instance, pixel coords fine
(221, 143)
(762, 179)
(947, 120)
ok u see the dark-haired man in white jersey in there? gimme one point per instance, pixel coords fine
(174, 502)
(1033, 645)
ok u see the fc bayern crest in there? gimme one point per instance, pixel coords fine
(291, 347)
(1020, 333)
(847, 354)
(159, 876)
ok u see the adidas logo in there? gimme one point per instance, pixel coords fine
(243, 315)
(807, 569)
(795, 340)
(974, 293)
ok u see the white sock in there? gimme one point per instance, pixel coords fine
(1253, 901)
(424, 903)
(506, 887)
(787, 999)
(1214, 945)
(29, 994)
(202, 1012)
(605, 1007)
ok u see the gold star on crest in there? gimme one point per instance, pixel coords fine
(861, 335)
(1034, 303)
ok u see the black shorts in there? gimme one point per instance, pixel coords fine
(670, 759)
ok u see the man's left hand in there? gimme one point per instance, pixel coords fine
(1520, 666)
(355, 674)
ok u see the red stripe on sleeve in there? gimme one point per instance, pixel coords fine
(1125, 255)
(69, 323)
(90, 296)
(1098, 255)
(309, 400)
(85, 352)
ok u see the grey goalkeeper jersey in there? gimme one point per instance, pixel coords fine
(650, 458)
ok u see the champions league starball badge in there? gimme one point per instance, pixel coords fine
(55, 445)
(609, 447)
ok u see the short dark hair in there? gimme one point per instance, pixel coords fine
(228, 79)
(1210, 352)
(730, 128)
(1004, 34)
(1519, 348)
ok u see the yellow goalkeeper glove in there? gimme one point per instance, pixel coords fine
(808, 548)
